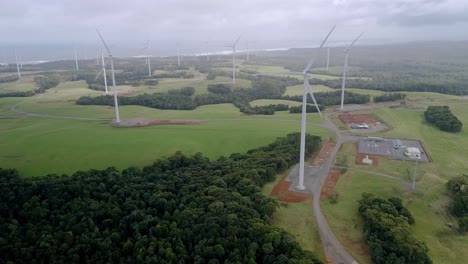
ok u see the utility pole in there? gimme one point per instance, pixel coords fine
(414, 176)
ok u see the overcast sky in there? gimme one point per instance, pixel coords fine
(131, 22)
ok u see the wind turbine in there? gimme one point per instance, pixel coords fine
(148, 60)
(76, 58)
(233, 46)
(17, 65)
(248, 52)
(345, 69)
(328, 56)
(116, 104)
(178, 54)
(306, 90)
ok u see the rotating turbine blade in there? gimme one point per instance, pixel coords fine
(355, 40)
(306, 83)
(235, 43)
(105, 45)
(311, 62)
(97, 76)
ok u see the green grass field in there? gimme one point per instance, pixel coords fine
(24, 84)
(37, 146)
(298, 220)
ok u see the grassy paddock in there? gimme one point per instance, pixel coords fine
(37, 146)
(297, 219)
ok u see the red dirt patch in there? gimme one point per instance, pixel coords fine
(360, 157)
(324, 154)
(349, 119)
(328, 187)
(282, 193)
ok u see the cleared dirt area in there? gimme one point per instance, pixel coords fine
(328, 188)
(150, 122)
(282, 193)
(349, 119)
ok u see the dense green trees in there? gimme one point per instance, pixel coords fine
(11, 78)
(45, 82)
(458, 189)
(175, 99)
(309, 109)
(386, 97)
(442, 118)
(17, 94)
(219, 93)
(179, 210)
(387, 229)
(332, 98)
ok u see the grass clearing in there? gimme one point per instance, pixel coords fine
(297, 89)
(38, 146)
(26, 83)
(298, 220)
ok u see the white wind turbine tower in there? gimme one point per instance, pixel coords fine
(17, 65)
(306, 90)
(345, 69)
(148, 60)
(116, 104)
(328, 56)
(233, 46)
(248, 52)
(178, 54)
(76, 58)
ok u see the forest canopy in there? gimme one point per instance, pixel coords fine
(181, 209)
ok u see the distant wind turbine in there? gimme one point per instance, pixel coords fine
(116, 104)
(148, 59)
(76, 59)
(328, 56)
(345, 69)
(178, 54)
(233, 46)
(17, 65)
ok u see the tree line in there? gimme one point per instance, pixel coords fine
(11, 78)
(458, 190)
(395, 83)
(387, 97)
(332, 98)
(388, 232)
(443, 118)
(180, 209)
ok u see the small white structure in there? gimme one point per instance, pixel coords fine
(412, 152)
(366, 160)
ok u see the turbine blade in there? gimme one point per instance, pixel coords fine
(306, 83)
(235, 43)
(355, 40)
(97, 76)
(311, 62)
(105, 45)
